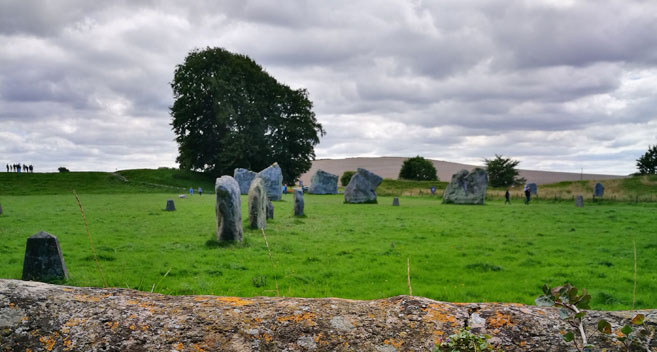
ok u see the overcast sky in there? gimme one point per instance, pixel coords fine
(559, 85)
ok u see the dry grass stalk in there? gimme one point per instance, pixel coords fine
(90, 243)
(270, 259)
(634, 292)
(162, 278)
(408, 275)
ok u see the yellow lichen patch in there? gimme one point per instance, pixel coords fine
(132, 316)
(112, 325)
(48, 342)
(24, 318)
(234, 301)
(200, 298)
(67, 289)
(318, 337)
(131, 301)
(177, 346)
(28, 350)
(85, 298)
(394, 343)
(67, 345)
(305, 318)
(132, 327)
(74, 322)
(437, 336)
(499, 320)
(436, 312)
(144, 327)
(197, 348)
(11, 305)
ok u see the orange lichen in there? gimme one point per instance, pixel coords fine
(11, 305)
(267, 337)
(200, 298)
(197, 348)
(234, 301)
(67, 345)
(85, 298)
(394, 343)
(132, 327)
(437, 336)
(112, 325)
(177, 346)
(305, 318)
(48, 342)
(436, 312)
(499, 320)
(74, 321)
(144, 327)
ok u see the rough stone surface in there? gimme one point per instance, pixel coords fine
(467, 187)
(395, 202)
(298, 202)
(533, 189)
(273, 177)
(323, 182)
(244, 178)
(598, 191)
(579, 201)
(43, 259)
(362, 187)
(270, 209)
(257, 204)
(228, 209)
(170, 205)
(45, 317)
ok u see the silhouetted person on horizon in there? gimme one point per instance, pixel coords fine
(31, 169)
(506, 197)
(18, 167)
(7, 167)
(528, 194)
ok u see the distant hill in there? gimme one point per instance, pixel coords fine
(388, 167)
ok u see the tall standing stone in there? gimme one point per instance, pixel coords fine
(467, 187)
(257, 204)
(273, 177)
(533, 189)
(43, 259)
(244, 178)
(362, 187)
(270, 209)
(579, 201)
(170, 205)
(598, 190)
(228, 209)
(323, 182)
(298, 202)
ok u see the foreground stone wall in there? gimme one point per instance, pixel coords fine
(42, 317)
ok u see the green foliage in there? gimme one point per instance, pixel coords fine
(502, 172)
(465, 341)
(228, 113)
(647, 163)
(63, 169)
(346, 177)
(419, 169)
(390, 187)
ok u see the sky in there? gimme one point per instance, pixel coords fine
(558, 85)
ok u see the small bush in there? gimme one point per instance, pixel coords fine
(63, 169)
(346, 177)
(419, 169)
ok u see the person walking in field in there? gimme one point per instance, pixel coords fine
(528, 194)
(200, 191)
(191, 191)
(7, 167)
(506, 197)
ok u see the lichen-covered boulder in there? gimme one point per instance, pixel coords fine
(228, 209)
(257, 204)
(273, 177)
(298, 202)
(467, 187)
(362, 187)
(244, 178)
(323, 182)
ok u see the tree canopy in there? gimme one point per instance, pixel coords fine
(228, 113)
(502, 172)
(647, 163)
(419, 169)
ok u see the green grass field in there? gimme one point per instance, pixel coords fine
(457, 253)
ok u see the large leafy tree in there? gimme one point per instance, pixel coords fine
(419, 169)
(647, 164)
(228, 113)
(502, 172)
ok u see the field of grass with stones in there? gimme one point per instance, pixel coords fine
(495, 252)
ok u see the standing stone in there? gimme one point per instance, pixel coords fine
(467, 187)
(170, 205)
(244, 178)
(579, 201)
(395, 202)
(598, 191)
(533, 189)
(323, 182)
(270, 209)
(273, 177)
(43, 259)
(0, 209)
(228, 209)
(362, 187)
(298, 202)
(257, 204)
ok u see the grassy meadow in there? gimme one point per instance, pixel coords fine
(457, 253)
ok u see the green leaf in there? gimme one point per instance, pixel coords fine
(569, 336)
(580, 315)
(626, 330)
(544, 301)
(638, 319)
(604, 327)
(546, 289)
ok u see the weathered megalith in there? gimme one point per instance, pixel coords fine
(395, 202)
(533, 189)
(244, 178)
(466, 187)
(598, 191)
(579, 201)
(43, 259)
(270, 209)
(298, 202)
(170, 205)
(228, 209)
(40, 317)
(323, 182)
(362, 187)
(273, 177)
(257, 204)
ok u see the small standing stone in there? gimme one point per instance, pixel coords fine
(598, 191)
(228, 209)
(0, 209)
(395, 202)
(270, 209)
(257, 204)
(579, 201)
(43, 259)
(170, 205)
(298, 202)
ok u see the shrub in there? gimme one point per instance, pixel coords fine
(419, 169)
(346, 177)
(63, 169)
